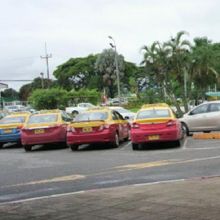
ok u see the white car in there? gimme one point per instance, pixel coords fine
(202, 118)
(81, 107)
(128, 115)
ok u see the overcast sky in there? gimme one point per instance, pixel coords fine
(74, 28)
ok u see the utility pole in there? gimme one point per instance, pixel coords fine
(46, 57)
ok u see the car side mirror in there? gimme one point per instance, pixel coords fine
(126, 117)
(191, 113)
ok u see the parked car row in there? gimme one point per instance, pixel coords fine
(96, 125)
(152, 123)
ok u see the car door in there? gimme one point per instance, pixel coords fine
(118, 124)
(197, 118)
(124, 126)
(213, 117)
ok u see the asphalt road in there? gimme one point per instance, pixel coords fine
(51, 170)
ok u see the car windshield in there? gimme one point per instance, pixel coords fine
(12, 120)
(91, 116)
(47, 118)
(153, 113)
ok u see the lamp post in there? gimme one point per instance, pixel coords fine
(113, 45)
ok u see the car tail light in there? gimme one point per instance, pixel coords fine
(105, 126)
(71, 129)
(171, 123)
(134, 125)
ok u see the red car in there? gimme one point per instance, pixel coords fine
(99, 125)
(155, 123)
(45, 127)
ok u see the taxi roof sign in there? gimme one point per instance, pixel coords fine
(49, 111)
(155, 105)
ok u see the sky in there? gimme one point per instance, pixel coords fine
(74, 28)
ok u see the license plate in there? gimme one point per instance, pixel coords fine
(39, 131)
(87, 129)
(153, 137)
(7, 131)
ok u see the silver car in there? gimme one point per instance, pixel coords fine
(203, 118)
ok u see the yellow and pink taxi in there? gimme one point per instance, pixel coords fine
(47, 126)
(97, 125)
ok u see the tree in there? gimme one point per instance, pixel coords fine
(49, 98)
(105, 66)
(77, 73)
(10, 94)
(26, 90)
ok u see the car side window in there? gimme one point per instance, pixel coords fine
(199, 110)
(66, 117)
(119, 116)
(214, 107)
(114, 116)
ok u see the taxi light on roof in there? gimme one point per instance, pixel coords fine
(155, 105)
(50, 111)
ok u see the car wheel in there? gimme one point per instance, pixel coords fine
(74, 113)
(74, 147)
(135, 146)
(1, 145)
(185, 129)
(27, 148)
(116, 141)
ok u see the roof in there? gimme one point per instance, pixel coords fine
(158, 105)
(49, 111)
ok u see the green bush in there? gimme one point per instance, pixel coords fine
(49, 98)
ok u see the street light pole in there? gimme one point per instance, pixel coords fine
(117, 69)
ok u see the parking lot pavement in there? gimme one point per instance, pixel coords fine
(180, 199)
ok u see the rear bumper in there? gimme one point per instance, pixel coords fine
(53, 137)
(4, 138)
(142, 136)
(88, 138)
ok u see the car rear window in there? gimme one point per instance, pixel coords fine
(153, 113)
(42, 118)
(11, 120)
(91, 116)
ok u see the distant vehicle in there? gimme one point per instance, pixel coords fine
(202, 118)
(47, 126)
(81, 107)
(128, 115)
(115, 101)
(14, 108)
(100, 125)
(10, 127)
(155, 123)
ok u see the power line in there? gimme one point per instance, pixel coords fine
(46, 57)
(16, 80)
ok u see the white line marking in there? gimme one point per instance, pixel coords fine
(158, 182)
(124, 146)
(184, 143)
(41, 197)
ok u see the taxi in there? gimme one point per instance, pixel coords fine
(46, 126)
(155, 123)
(10, 127)
(97, 125)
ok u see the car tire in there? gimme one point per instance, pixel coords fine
(116, 143)
(74, 113)
(74, 147)
(185, 129)
(27, 148)
(135, 146)
(1, 145)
